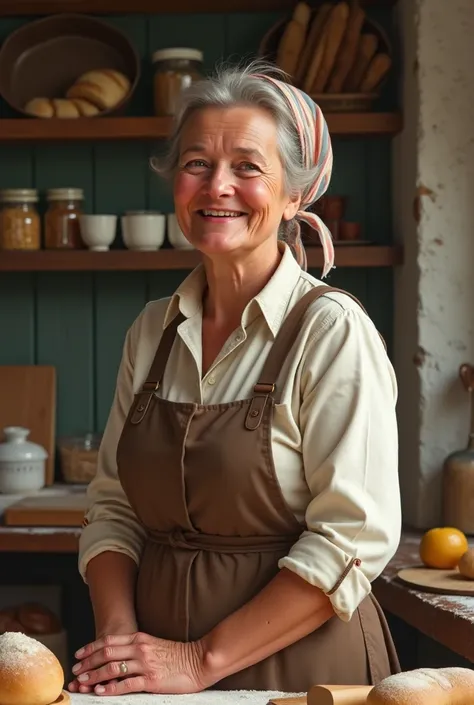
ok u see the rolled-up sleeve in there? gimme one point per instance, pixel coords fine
(350, 453)
(110, 524)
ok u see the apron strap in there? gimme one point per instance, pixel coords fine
(157, 370)
(266, 386)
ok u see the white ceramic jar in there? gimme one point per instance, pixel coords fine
(22, 463)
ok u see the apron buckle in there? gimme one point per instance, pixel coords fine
(142, 401)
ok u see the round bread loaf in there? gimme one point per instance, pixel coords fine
(425, 686)
(30, 674)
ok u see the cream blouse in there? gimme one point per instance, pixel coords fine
(334, 436)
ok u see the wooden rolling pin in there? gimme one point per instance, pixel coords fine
(329, 695)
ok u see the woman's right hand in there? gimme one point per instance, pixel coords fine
(104, 630)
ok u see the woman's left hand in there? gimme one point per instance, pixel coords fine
(140, 663)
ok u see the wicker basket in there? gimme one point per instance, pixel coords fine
(331, 102)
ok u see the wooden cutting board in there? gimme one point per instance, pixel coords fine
(59, 510)
(28, 399)
(444, 582)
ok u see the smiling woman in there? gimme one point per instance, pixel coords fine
(247, 488)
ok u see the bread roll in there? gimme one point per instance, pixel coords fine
(37, 619)
(30, 674)
(104, 88)
(85, 108)
(64, 108)
(40, 107)
(425, 686)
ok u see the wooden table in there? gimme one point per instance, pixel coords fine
(449, 620)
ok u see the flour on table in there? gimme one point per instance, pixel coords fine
(208, 697)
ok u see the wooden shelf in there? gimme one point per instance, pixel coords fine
(126, 260)
(104, 7)
(149, 128)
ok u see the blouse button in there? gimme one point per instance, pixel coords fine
(211, 381)
(357, 562)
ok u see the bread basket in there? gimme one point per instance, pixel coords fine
(375, 40)
(44, 58)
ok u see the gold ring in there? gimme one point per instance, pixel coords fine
(123, 667)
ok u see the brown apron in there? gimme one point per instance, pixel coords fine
(201, 479)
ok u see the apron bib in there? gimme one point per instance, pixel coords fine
(201, 480)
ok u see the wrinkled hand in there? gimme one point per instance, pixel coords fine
(153, 666)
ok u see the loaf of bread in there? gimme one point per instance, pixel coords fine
(104, 88)
(312, 42)
(348, 51)
(425, 686)
(40, 107)
(365, 53)
(52, 107)
(334, 31)
(30, 674)
(31, 618)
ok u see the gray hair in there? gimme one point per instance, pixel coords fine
(232, 86)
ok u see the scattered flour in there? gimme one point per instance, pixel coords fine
(18, 652)
(208, 697)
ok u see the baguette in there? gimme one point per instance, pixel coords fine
(334, 33)
(315, 66)
(290, 46)
(347, 54)
(365, 53)
(425, 686)
(302, 14)
(378, 68)
(312, 43)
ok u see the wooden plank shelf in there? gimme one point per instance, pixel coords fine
(127, 260)
(150, 128)
(104, 7)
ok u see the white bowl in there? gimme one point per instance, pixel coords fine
(143, 230)
(175, 234)
(98, 231)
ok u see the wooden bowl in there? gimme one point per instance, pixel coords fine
(45, 57)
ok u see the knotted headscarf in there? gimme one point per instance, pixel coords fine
(316, 150)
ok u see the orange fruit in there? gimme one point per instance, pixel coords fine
(442, 547)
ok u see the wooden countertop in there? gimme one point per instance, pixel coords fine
(447, 619)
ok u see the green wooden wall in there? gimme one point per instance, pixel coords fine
(77, 321)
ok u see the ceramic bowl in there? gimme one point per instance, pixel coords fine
(143, 230)
(175, 234)
(98, 231)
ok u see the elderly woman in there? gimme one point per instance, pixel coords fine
(247, 491)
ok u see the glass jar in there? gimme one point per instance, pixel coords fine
(20, 224)
(175, 70)
(61, 222)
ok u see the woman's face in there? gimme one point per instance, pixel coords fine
(229, 190)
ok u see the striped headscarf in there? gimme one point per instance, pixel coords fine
(317, 151)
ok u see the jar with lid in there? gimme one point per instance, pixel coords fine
(20, 224)
(22, 462)
(62, 219)
(175, 70)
